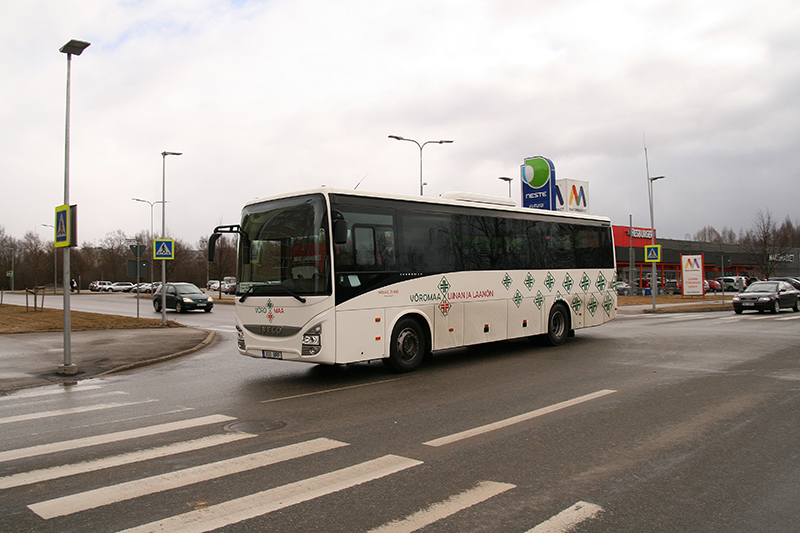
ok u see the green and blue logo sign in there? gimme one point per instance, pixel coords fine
(538, 183)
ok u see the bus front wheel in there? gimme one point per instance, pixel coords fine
(408, 346)
(558, 325)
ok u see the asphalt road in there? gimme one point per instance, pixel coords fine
(650, 423)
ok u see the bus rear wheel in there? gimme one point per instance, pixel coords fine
(558, 325)
(407, 346)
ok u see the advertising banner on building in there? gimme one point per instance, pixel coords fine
(572, 196)
(538, 177)
(692, 275)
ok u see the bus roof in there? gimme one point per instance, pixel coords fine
(453, 199)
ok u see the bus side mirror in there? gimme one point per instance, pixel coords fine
(340, 231)
(212, 245)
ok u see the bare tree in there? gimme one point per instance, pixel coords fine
(707, 234)
(761, 242)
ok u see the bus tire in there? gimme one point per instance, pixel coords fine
(407, 347)
(558, 325)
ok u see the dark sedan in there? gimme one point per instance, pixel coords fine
(767, 296)
(183, 297)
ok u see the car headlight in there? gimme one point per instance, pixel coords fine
(187, 300)
(736, 298)
(765, 299)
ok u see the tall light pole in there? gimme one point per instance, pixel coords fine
(653, 278)
(421, 146)
(509, 180)
(55, 260)
(164, 234)
(151, 231)
(73, 47)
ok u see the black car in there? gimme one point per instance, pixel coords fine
(183, 297)
(767, 296)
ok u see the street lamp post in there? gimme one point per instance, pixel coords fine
(421, 146)
(73, 47)
(653, 278)
(164, 234)
(55, 260)
(151, 231)
(509, 180)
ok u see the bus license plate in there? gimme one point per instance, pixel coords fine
(271, 354)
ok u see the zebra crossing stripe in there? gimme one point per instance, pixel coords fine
(68, 411)
(47, 474)
(438, 511)
(141, 487)
(43, 449)
(261, 503)
(567, 519)
(48, 392)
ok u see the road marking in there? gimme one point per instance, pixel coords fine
(331, 390)
(43, 449)
(261, 503)
(47, 474)
(107, 495)
(480, 493)
(48, 392)
(68, 411)
(568, 518)
(449, 439)
(795, 317)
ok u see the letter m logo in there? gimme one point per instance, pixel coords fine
(577, 196)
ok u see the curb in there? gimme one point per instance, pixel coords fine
(208, 341)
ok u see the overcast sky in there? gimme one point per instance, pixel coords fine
(264, 97)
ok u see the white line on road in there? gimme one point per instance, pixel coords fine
(48, 392)
(449, 439)
(480, 493)
(568, 518)
(46, 474)
(68, 411)
(261, 503)
(43, 449)
(141, 487)
(331, 390)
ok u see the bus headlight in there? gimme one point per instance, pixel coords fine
(240, 338)
(312, 342)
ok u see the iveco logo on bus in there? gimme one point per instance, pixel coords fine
(270, 330)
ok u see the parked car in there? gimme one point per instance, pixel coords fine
(712, 285)
(97, 286)
(183, 297)
(732, 283)
(623, 289)
(767, 296)
(120, 286)
(228, 288)
(142, 288)
(794, 282)
(212, 285)
(673, 287)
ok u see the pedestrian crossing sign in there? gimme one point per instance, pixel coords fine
(652, 253)
(164, 249)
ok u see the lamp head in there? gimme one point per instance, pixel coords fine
(396, 137)
(74, 47)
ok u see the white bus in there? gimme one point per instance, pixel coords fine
(337, 276)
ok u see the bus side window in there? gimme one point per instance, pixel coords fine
(364, 240)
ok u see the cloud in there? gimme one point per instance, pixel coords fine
(270, 97)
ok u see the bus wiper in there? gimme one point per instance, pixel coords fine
(252, 289)
(294, 295)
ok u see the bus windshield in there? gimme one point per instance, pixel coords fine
(284, 248)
